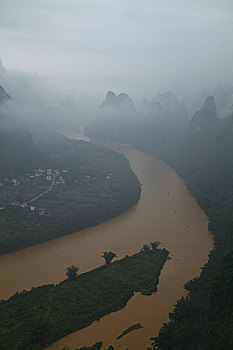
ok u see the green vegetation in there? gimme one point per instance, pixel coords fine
(130, 329)
(96, 346)
(108, 256)
(204, 319)
(97, 184)
(18, 153)
(35, 319)
(72, 272)
(203, 157)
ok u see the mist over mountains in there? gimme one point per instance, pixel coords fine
(198, 146)
(200, 150)
(117, 114)
(18, 152)
(154, 74)
(36, 102)
(223, 97)
(161, 125)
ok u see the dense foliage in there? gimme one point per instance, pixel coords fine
(96, 346)
(203, 157)
(18, 153)
(204, 319)
(108, 256)
(35, 319)
(99, 185)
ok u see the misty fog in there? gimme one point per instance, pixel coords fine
(63, 57)
(116, 142)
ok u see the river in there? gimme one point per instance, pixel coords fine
(166, 212)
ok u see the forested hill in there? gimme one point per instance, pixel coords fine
(157, 128)
(204, 320)
(17, 149)
(115, 117)
(18, 153)
(203, 156)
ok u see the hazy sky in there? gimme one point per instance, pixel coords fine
(136, 46)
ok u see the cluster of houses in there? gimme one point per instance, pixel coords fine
(56, 176)
(39, 211)
(45, 174)
(32, 208)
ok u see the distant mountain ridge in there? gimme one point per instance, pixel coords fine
(203, 319)
(162, 118)
(202, 154)
(203, 120)
(113, 117)
(121, 102)
(166, 96)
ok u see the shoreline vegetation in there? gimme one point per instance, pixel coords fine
(201, 154)
(89, 184)
(96, 346)
(130, 329)
(203, 319)
(32, 320)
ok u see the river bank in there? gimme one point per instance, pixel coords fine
(34, 319)
(157, 217)
(88, 185)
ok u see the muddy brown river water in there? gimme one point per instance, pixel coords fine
(166, 212)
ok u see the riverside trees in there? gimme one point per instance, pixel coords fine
(72, 272)
(108, 256)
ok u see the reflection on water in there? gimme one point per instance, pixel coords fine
(166, 212)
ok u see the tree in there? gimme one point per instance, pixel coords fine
(145, 248)
(154, 245)
(72, 272)
(39, 333)
(108, 256)
(153, 343)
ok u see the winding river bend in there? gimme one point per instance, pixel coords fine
(166, 212)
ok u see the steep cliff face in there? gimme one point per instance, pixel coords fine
(145, 108)
(3, 95)
(167, 111)
(160, 124)
(164, 97)
(118, 103)
(17, 149)
(203, 320)
(114, 117)
(17, 152)
(224, 99)
(163, 123)
(204, 128)
(4, 98)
